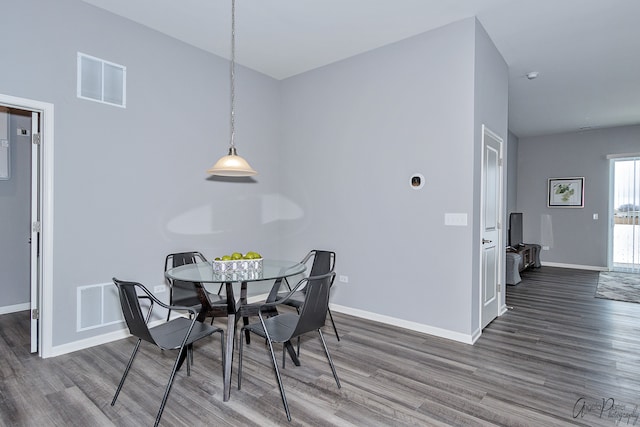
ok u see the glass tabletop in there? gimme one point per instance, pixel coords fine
(203, 272)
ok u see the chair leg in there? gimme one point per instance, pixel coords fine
(126, 371)
(184, 355)
(222, 348)
(282, 394)
(334, 324)
(179, 359)
(284, 355)
(245, 322)
(239, 360)
(326, 351)
(170, 302)
(284, 352)
(189, 358)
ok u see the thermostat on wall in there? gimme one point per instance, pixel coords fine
(417, 181)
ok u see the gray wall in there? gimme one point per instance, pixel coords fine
(512, 173)
(130, 184)
(491, 109)
(362, 127)
(15, 215)
(334, 147)
(578, 239)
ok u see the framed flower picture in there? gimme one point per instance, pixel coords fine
(566, 192)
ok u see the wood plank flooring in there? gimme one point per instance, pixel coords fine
(555, 359)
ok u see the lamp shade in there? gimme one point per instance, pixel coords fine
(232, 165)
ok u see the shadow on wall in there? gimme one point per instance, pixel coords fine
(230, 214)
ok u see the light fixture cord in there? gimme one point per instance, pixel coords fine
(233, 75)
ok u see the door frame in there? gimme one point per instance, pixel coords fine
(500, 275)
(34, 239)
(44, 264)
(612, 158)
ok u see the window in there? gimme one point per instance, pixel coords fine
(101, 81)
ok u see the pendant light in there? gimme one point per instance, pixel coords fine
(232, 164)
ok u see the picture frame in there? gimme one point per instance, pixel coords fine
(566, 192)
(5, 160)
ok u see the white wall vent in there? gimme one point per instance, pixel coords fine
(101, 81)
(98, 305)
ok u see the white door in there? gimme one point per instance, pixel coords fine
(492, 249)
(35, 230)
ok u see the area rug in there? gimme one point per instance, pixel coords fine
(619, 286)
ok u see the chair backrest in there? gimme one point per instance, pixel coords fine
(136, 321)
(316, 303)
(323, 262)
(184, 293)
(182, 258)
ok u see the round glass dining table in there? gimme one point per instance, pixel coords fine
(204, 273)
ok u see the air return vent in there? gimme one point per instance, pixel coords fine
(101, 81)
(98, 305)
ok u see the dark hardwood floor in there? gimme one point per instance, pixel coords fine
(558, 357)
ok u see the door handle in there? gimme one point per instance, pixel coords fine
(485, 241)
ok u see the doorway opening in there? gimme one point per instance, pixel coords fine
(37, 121)
(625, 211)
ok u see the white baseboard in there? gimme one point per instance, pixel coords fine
(475, 336)
(413, 326)
(98, 339)
(574, 266)
(59, 350)
(15, 308)
(113, 336)
(503, 310)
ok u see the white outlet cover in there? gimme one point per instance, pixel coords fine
(455, 219)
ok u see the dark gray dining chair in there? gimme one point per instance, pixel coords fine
(177, 334)
(322, 262)
(282, 328)
(193, 294)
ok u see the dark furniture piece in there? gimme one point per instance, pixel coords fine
(521, 258)
(282, 328)
(179, 333)
(520, 255)
(192, 294)
(515, 229)
(202, 272)
(513, 260)
(529, 255)
(323, 262)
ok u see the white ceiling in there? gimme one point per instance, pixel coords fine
(586, 51)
